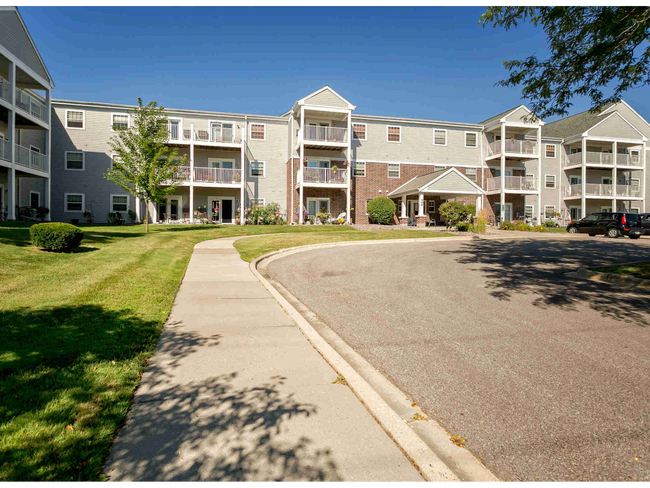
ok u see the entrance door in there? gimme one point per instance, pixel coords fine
(174, 205)
(226, 210)
(215, 209)
(507, 213)
(412, 210)
(576, 213)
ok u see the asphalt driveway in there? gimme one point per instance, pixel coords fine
(544, 375)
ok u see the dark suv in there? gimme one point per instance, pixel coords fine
(645, 222)
(610, 224)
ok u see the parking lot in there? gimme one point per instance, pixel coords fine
(546, 376)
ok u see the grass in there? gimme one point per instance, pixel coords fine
(77, 330)
(557, 229)
(637, 270)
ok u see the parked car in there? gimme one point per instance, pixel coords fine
(645, 222)
(611, 224)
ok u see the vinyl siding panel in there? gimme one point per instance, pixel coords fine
(518, 115)
(15, 39)
(452, 182)
(615, 126)
(327, 99)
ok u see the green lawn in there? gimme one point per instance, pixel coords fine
(638, 270)
(78, 328)
(557, 229)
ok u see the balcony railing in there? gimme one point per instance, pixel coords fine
(31, 105)
(634, 191)
(5, 90)
(186, 135)
(217, 175)
(513, 146)
(30, 159)
(592, 158)
(629, 160)
(325, 175)
(591, 190)
(325, 134)
(514, 183)
(5, 150)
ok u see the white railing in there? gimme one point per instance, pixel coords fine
(200, 135)
(629, 191)
(516, 183)
(629, 160)
(30, 159)
(603, 158)
(5, 90)
(31, 105)
(325, 134)
(325, 175)
(573, 190)
(591, 189)
(5, 150)
(217, 175)
(513, 146)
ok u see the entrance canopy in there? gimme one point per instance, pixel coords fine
(446, 184)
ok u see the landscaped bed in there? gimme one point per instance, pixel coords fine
(637, 270)
(77, 329)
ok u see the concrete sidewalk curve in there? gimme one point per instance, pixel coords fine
(234, 391)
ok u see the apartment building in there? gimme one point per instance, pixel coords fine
(25, 136)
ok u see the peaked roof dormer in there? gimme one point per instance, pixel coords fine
(325, 97)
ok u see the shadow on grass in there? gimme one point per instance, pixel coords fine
(538, 267)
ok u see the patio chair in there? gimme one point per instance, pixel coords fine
(431, 222)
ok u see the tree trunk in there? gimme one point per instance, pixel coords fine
(146, 217)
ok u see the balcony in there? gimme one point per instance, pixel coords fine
(323, 176)
(513, 184)
(31, 105)
(322, 137)
(592, 158)
(516, 147)
(629, 191)
(591, 190)
(5, 150)
(629, 160)
(224, 176)
(201, 136)
(31, 159)
(5, 90)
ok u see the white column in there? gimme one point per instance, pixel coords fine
(192, 174)
(242, 189)
(420, 204)
(348, 216)
(138, 209)
(583, 200)
(503, 172)
(479, 204)
(48, 183)
(614, 178)
(154, 212)
(643, 178)
(11, 135)
(539, 175)
(403, 206)
(11, 193)
(301, 220)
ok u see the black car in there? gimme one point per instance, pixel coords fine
(645, 222)
(612, 224)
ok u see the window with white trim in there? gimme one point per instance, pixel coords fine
(471, 173)
(119, 203)
(393, 133)
(120, 121)
(75, 119)
(432, 206)
(258, 202)
(258, 132)
(439, 137)
(393, 170)
(257, 169)
(74, 161)
(549, 150)
(471, 139)
(634, 210)
(438, 168)
(549, 211)
(74, 202)
(528, 212)
(360, 168)
(549, 181)
(636, 182)
(359, 131)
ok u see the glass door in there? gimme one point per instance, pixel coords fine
(215, 210)
(576, 213)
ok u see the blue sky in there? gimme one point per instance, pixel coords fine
(432, 63)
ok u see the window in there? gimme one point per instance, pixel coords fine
(393, 170)
(439, 137)
(471, 139)
(634, 210)
(120, 121)
(549, 211)
(318, 205)
(119, 203)
(360, 168)
(74, 202)
(74, 161)
(438, 168)
(549, 150)
(528, 213)
(393, 133)
(258, 202)
(635, 182)
(549, 181)
(75, 119)
(471, 173)
(34, 199)
(359, 131)
(635, 156)
(258, 169)
(432, 206)
(258, 132)
(114, 158)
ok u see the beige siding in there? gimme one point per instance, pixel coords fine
(615, 126)
(327, 99)
(452, 182)
(518, 115)
(15, 39)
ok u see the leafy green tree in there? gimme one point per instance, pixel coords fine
(145, 166)
(592, 49)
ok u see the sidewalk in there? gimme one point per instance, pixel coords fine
(234, 392)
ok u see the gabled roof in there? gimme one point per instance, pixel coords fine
(303, 100)
(420, 183)
(573, 125)
(501, 115)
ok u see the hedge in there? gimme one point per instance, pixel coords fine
(56, 237)
(381, 210)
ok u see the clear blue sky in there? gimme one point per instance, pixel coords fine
(432, 63)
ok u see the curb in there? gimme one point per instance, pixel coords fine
(417, 451)
(623, 281)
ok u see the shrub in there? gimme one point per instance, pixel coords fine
(268, 214)
(481, 222)
(455, 212)
(132, 216)
(507, 225)
(381, 210)
(74, 221)
(465, 227)
(56, 237)
(540, 228)
(115, 218)
(523, 226)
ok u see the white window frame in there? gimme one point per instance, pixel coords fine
(39, 197)
(365, 131)
(250, 168)
(635, 210)
(465, 138)
(638, 182)
(128, 120)
(554, 146)
(549, 206)
(475, 174)
(234, 130)
(532, 211)
(250, 131)
(83, 162)
(439, 167)
(399, 172)
(429, 203)
(400, 133)
(255, 202)
(603, 178)
(128, 203)
(368, 200)
(434, 136)
(65, 202)
(354, 169)
(318, 199)
(554, 182)
(83, 119)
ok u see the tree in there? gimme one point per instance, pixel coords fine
(145, 166)
(455, 212)
(592, 49)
